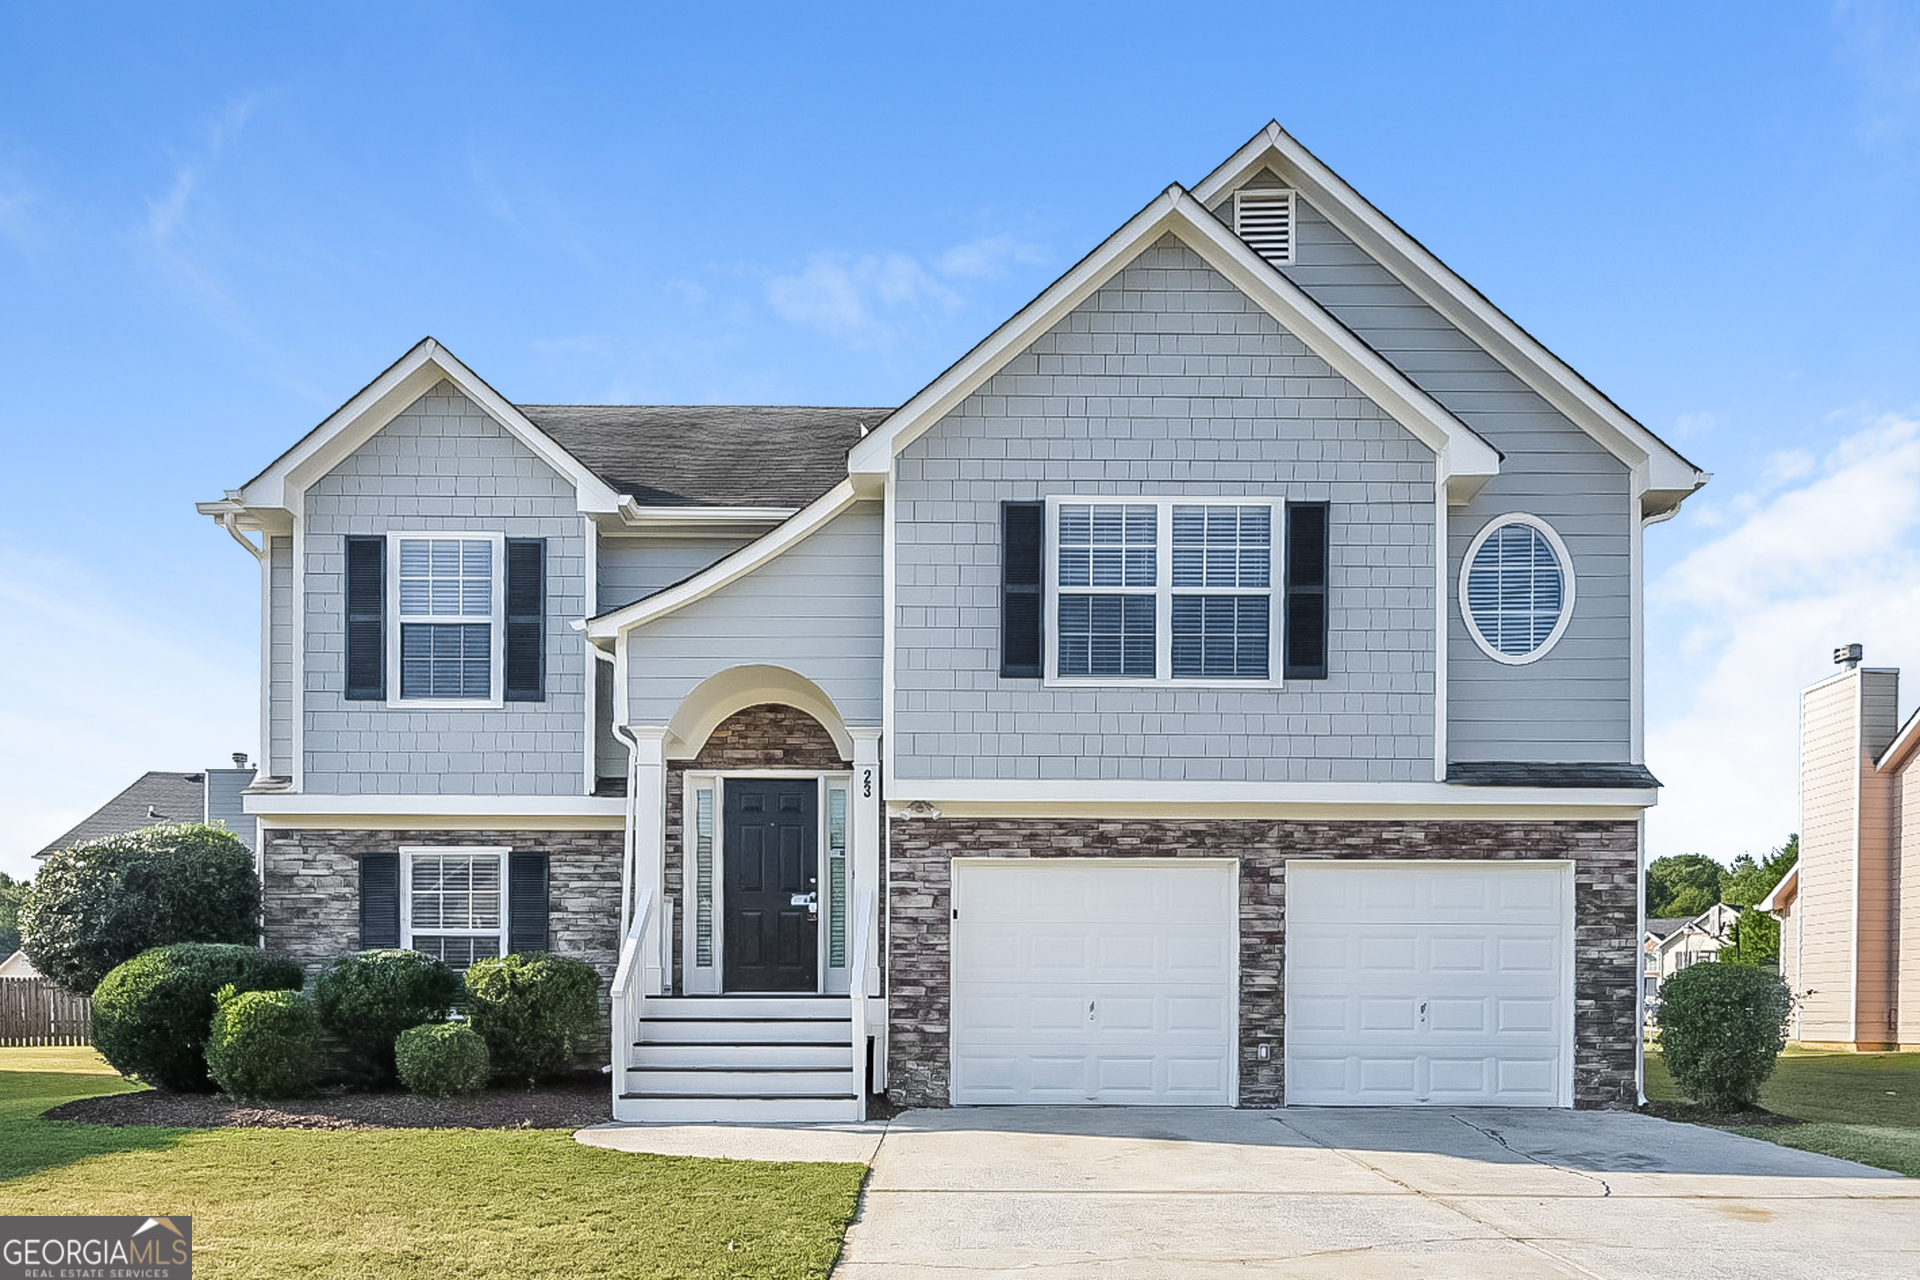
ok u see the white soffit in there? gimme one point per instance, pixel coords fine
(1436, 284)
(1465, 460)
(384, 399)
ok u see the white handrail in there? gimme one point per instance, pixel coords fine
(857, 991)
(629, 991)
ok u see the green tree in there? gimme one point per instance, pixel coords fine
(13, 896)
(1757, 938)
(1682, 886)
(104, 902)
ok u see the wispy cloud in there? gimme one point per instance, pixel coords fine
(173, 235)
(80, 729)
(531, 210)
(1827, 551)
(1880, 42)
(15, 200)
(868, 299)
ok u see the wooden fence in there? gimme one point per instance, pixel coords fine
(34, 1011)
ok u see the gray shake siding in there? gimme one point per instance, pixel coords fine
(1574, 703)
(281, 658)
(1167, 381)
(444, 464)
(815, 610)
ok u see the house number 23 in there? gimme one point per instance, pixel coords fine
(866, 782)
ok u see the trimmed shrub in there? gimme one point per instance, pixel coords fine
(537, 1012)
(1721, 1028)
(100, 904)
(152, 1015)
(261, 1043)
(441, 1060)
(368, 998)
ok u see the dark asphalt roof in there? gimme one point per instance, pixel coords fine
(1667, 928)
(710, 455)
(156, 797)
(1522, 773)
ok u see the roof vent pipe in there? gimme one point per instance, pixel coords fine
(239, 759)
(1848, 656)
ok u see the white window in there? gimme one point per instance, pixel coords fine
(1516, 589)
(447, 599)
(1160, 591)
(453, 903)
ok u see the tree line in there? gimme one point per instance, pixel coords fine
(1684, 885)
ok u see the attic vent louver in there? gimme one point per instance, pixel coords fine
(1264, 219)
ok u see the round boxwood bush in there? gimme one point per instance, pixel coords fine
(1721, 1028)
(441, 1060)
(104, 902)
(368, 998)
(261, 1043)
(537, 1012)
(152, 1015)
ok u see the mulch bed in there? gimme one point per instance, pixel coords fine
(568, 1104)
(1694, 1113)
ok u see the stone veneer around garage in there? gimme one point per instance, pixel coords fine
(1605, 858)
(311, 889)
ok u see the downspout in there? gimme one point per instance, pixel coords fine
(1640, 869)
(622, 733)
(229, 520)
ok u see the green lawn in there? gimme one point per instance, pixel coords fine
(1858, 1106)
(442, 1202)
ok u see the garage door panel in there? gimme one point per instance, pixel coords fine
(1460, 1000)
(1134, 1001)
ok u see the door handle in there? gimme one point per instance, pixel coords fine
(1090, 1011)
(1423, 1013)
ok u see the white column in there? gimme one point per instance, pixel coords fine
(865, 835)
(647, 834)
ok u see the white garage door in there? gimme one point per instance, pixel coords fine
(1086, 980)
(1442, 984)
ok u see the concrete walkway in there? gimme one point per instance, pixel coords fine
(1124, 1193)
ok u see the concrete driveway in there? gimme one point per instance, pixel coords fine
(1123, 1193)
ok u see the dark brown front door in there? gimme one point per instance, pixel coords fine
(770, 855)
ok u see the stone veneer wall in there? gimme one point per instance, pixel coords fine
(311, 890)
(768, 736)
(1606, 942)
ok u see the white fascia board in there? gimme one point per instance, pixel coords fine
(696, 519)
(385, 398)
(1381, 798)
(292, 805)
(1901, 748)
(1462, 455)
(811, 518)
(1783, 893)
(1466, 307)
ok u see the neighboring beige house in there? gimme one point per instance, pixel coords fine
(1850, 910)
(1672, 945)
(18, 966)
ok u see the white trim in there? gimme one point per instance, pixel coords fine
(288, 804)
(383, 400)
(1566, 587)
(1462, 305)
(1267, 796)
(698, 979)
(1465, 460)
(1788, 889)
(889, 608)
(815, 516)
(707, 705)
(1636, 637)
(1442, 639)
(408, 852)
(297, 695)
(496, 623)
(265, 757)
(590, 740)
(635, 515)
(1163, 592)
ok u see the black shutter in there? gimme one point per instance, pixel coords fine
(1023, 527)
(526, 620)
(527, 902)
(379, 900)
(1306, 605)
(366, 620)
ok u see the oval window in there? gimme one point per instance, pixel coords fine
(1516, 589)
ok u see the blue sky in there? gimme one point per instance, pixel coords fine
(216, 223)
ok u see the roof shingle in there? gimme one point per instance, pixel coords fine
(153, 798)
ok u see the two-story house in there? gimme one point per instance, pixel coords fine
(1221, 686)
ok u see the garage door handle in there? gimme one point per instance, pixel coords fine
(1089, 1011)
(1423, 1011)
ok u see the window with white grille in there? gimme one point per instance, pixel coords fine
(1264, 219)
(455, 903)
(1516, 589)
(447, 600)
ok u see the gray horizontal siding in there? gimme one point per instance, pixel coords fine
(1574, 704)
(632, 569)
(815, 610)
(281, 658)
(443, 465)
(1167, 381)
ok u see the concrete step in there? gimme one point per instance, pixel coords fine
(640, 1108)
(743, 1055)
(728, 1030)
(720, 1082)
(799, 1006)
